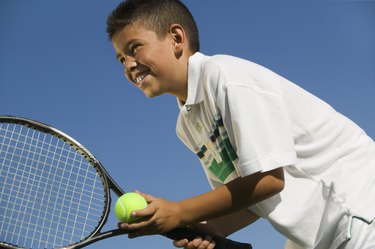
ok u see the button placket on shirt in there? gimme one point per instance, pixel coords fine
(198, 125)
(210, 146)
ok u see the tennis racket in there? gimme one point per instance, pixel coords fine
(55, 194)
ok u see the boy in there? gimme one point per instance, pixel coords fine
(269, 148)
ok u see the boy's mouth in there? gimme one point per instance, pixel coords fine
(140, 77)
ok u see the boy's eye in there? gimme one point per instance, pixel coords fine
(121, 60)
(133, 48)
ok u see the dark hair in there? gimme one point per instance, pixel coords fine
(156, 15)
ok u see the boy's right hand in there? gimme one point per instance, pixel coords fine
(197, 243)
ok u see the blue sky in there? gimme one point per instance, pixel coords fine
(57, 66)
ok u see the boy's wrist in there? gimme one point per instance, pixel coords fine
(185, 218)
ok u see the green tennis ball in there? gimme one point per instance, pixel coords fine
(128, 203)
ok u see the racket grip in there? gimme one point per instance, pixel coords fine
(221, 243)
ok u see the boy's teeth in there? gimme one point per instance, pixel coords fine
(140, 78)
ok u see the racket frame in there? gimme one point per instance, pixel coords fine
(108, 184)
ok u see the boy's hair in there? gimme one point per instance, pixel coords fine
(156, 15)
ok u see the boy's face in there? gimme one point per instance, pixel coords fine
(150, 63)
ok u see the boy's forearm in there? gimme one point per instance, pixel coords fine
(232, 197)
(226, 225)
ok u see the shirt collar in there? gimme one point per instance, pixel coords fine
(194, 92)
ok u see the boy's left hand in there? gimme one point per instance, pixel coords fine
(158, 217)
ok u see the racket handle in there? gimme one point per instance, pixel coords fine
(221, 243)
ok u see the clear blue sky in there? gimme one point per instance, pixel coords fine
(57, 66)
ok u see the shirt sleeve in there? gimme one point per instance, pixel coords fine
(259, 129)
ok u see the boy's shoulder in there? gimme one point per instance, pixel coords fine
(234, 69)
(222, 60)
(213, 66)
(231, 64)
(212, 75)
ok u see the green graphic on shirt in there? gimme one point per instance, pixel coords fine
(217, 155)
(223, 169)
(229, 149)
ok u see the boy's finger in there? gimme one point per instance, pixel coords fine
(195, 242)
(133, 226)
(146, 212)
(207, 243)
(180, 243)
(149, 198)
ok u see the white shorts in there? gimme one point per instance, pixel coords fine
(362, 235)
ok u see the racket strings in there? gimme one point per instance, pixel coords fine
(50, 194)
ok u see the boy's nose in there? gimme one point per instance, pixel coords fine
(130, 63)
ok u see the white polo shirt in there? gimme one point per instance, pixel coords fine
(241, 118)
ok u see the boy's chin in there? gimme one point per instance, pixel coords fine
(151, 95)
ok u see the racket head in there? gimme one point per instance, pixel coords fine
(55, 193)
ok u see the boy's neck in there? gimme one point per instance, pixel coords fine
(182, 90)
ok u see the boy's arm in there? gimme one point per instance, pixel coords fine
(222, 226)
(228, 224)
(232, 197)
(161, 215)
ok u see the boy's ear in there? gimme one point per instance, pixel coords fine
(179, 38)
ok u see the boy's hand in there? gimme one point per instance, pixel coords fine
(197, 243)
(158, 217)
